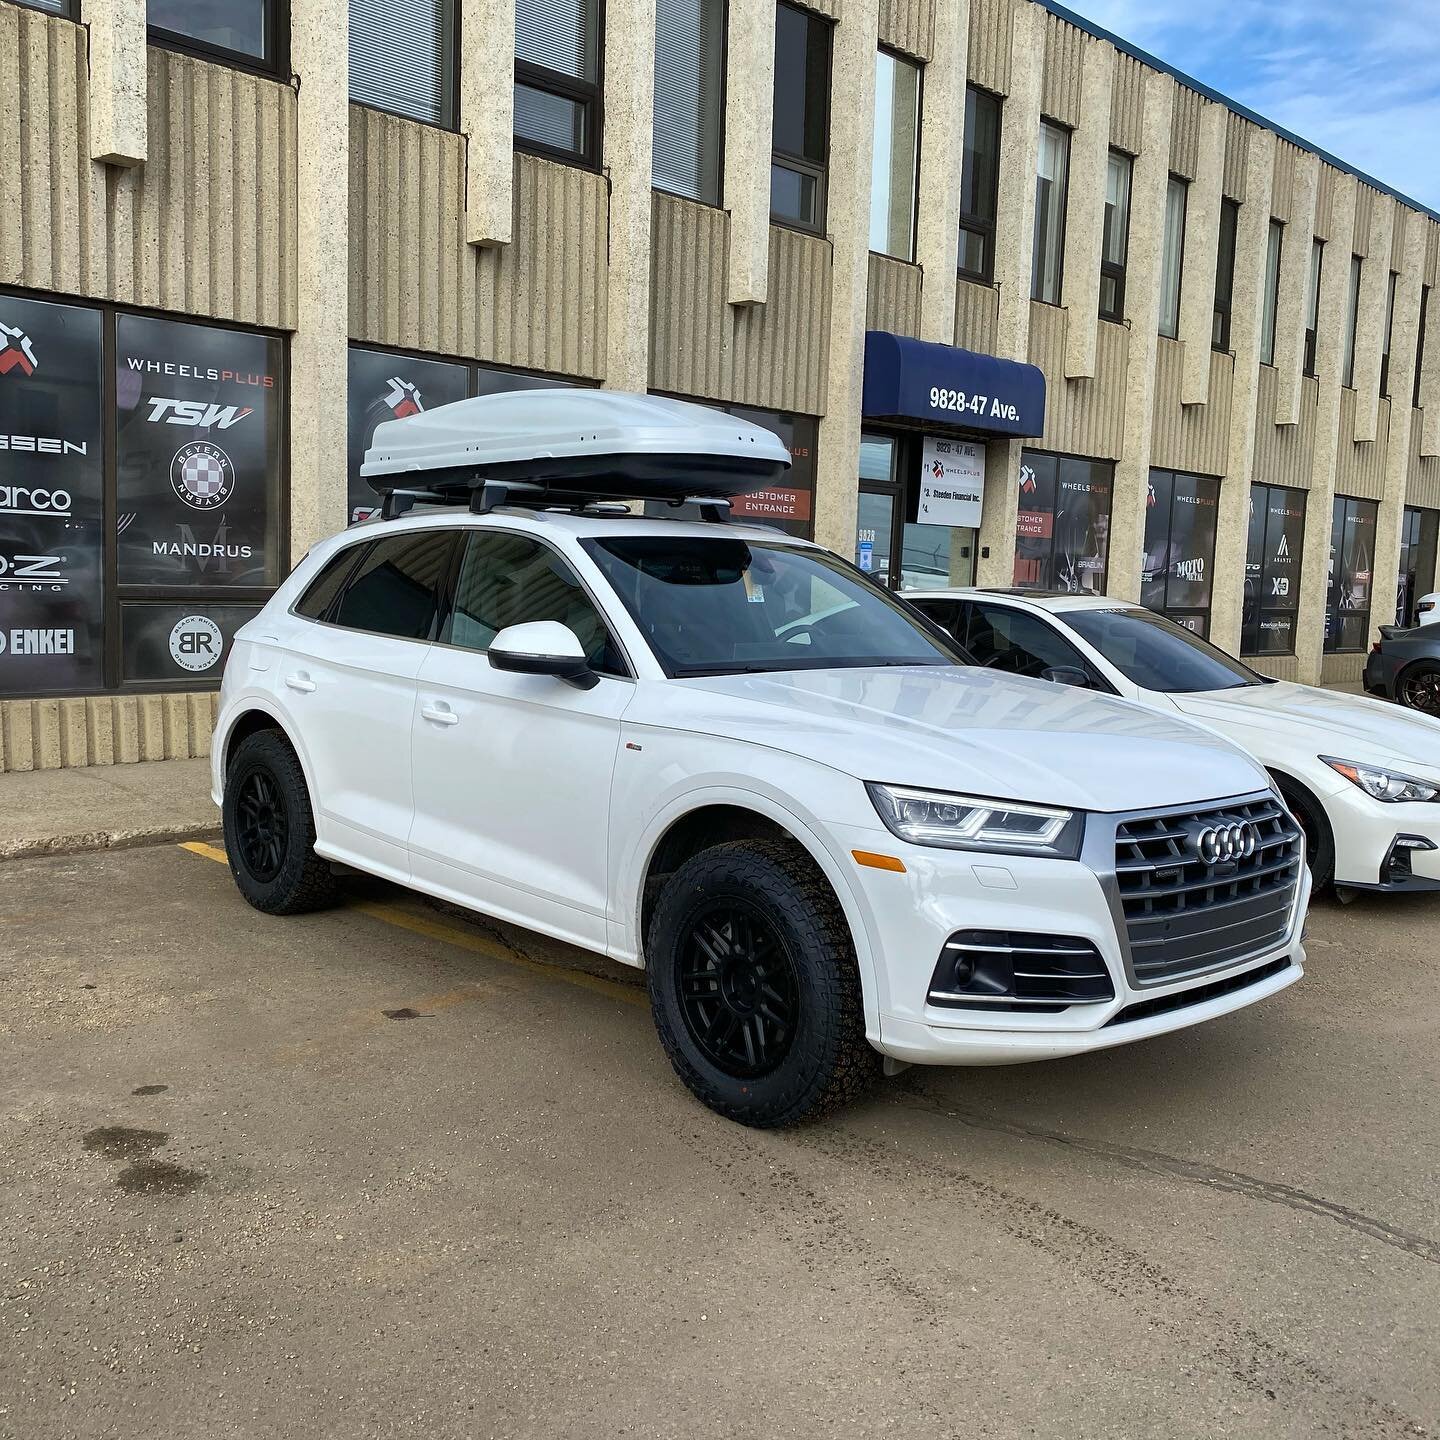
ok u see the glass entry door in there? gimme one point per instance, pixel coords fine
(876, 526)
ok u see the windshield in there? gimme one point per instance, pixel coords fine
(1157, 654)
(724, 606)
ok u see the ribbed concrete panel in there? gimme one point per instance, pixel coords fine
(909, 26)
(105, 730)
(1365, 204)
(1082, 417)
(1127, 105)
(1185, 132)
(989, 61)
(1277, 667)
(1190, 437)
(1237, 150)
(893, 301)
(772, 355)
(1342, 669)
(1422, 485)
(829, 8)
(1281, 196)
(976, 307)
(1432, 256)
(1360, 468)
(1284, 454)
(1064, 52)
(1327, 176)
(208, 226)
(538, 303)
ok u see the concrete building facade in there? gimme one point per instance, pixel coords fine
(870, 224)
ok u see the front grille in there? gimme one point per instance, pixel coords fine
(1185, 914)
(1183, 999)
(1018, 971)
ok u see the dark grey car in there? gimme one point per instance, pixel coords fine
(1404, 665)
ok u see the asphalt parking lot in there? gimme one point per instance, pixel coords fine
(386, 1171)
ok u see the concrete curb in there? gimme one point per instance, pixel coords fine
(29, 848)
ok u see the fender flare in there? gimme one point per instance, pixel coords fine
(253, 704)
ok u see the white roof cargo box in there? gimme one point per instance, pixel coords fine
(601, 442)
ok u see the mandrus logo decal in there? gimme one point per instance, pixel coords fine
(201, 475)
(16, 351)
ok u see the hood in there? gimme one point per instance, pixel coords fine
(964, 729)
(1331, 722)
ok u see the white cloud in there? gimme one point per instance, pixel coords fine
(1361, 81)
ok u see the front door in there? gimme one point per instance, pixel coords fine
(513, 772)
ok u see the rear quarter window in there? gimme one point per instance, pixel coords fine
(315, 603)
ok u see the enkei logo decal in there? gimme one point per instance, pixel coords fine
(37, 642)
(196, 413)
(34, 500)
(201, 475)
(196, 642)
(32, 572)
(17, 352)
(403, 398)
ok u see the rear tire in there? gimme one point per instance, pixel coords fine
(1419, 688)
(270, 829)
(754, 985)
(1319, 838)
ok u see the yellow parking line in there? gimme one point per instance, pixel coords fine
(432, 929)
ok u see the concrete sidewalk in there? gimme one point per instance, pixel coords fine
(102, 807)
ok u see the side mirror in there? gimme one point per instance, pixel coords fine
(1067, 675)
(542, 647)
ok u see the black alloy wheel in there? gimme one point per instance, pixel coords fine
(739, 995)
(1420, 688)
(263, 831)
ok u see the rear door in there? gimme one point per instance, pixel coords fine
(513, 772)
(348, 680)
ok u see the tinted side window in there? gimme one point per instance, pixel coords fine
(945, 613)
(315, 602)
(393, 590)
(1018, 644)
(511, 580)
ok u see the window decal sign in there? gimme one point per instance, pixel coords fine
(51, 478)
(1062, 523)
(198, 459)
(952, 482)
(178, 641)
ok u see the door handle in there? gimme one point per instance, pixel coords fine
(301, 682)
(440, 714)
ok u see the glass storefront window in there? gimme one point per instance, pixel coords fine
(1272, 570)
(1352, 574)
(1417, 561)
(1062, 526)
(1178, 568)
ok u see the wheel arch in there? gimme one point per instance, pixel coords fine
(251, 720)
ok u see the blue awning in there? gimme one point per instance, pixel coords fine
(917, 380)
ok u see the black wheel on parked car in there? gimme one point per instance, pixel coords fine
(270, 829)
(754, 985)
(1419, 688)
(1319, 838)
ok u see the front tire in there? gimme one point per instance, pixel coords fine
(1319, 838)
(270, 829)
(754, 985)
(1419, 688)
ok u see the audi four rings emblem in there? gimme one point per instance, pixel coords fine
(1220, 844)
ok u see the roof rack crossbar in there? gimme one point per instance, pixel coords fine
(486, 495)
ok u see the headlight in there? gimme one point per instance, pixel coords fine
(1383, 784)
(968, 822)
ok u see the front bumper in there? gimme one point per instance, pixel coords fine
(1379, 675)
(1366, 835)
(912, 915)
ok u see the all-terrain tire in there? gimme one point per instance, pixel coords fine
(826, 1061)
(1319, 838)
(280, 874)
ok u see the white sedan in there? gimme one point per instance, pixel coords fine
(1362, 776)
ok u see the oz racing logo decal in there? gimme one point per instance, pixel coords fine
(201, 475)
(16, 351)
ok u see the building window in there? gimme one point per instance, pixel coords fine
(1272, 570)
(1389, 327)
(1418, 530)
(894, 156)
(689, 62)
(1177, 571)
(1224, 275)
(1420, 343)
(979, 185)
(1172, 257)
(1312, 305)
(64, 8)
(1272, 293)
(402, 58)
(1115, 238)
(801, 131)
(1062, 524)
(1352, 575)
(1051, 180)
(1352, 319)
(557, 86)
(247, 31)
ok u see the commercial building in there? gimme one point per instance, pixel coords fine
(1027, 306)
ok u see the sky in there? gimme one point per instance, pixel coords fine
(1359, 78)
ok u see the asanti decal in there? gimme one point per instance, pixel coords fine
(17, 351)
(37, 642)
(198, 372)
(196, 413)
(1283, 552)
(32, 572)
(34, 500)
(201, 475)
(44, 445)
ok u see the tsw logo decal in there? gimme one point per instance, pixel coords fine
(196, 413)
(16, 351)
